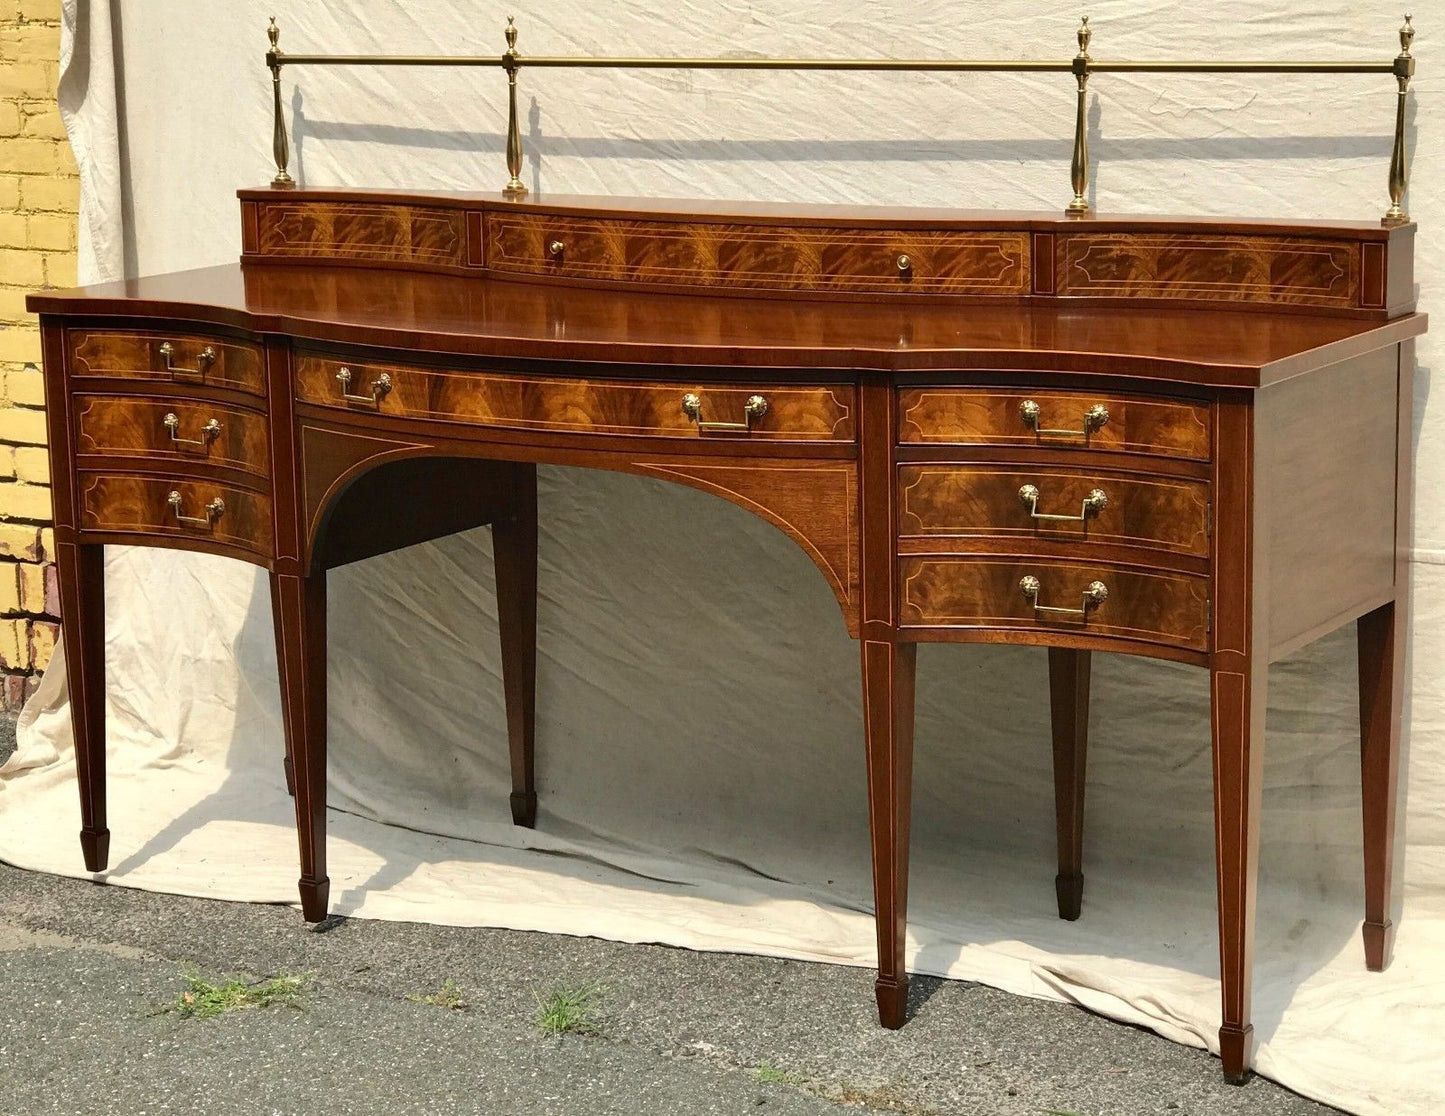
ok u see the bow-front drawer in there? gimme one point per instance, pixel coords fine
(180, 358)
(202, 511)
(762, 412)
(1159, 425)
(174, 429)
(760, 257)
(1056, 596)
(942, 501)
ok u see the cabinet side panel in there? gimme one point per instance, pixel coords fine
(1327, 446)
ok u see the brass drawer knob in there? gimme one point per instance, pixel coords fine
(755, 408)
(905, 265)
(379, 387)
(209, 432)
(1095, 417)
(203, 362)
(1094, 595)
(556, 249)
(1095, 502)
(214, 510)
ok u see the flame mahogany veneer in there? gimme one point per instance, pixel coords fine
(885, 386)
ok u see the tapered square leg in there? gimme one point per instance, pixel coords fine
(1381, 639)
(301, 622)
(1238, 677)
(514, 544)
(1069, 708)
(287, 766)
(81, 572)
(888, 673)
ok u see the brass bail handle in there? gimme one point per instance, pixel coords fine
(1095, 502)
(1095, 417)
(203, 362)
(214, 510)
(209, 432)
(755, 408)
(379, 387)
(1094, 594)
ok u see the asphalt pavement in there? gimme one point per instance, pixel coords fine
(94, 1022)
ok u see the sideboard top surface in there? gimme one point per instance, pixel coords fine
(481, 317)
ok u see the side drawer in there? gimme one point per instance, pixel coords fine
(220, 513)
(789, 412)
(1058, 419)
(1149, 605)
(760, 257)
(180, 358)
(172, 430)
(1061, 504)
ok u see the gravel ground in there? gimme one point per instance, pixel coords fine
(90, 978)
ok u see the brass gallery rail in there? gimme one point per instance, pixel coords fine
(1081, 66)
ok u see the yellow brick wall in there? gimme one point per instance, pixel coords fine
(39, 193)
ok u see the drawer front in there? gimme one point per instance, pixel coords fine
(172, 430)
(180, 358)
(1126, 509)
(1153, 606)
(144, 505)
(1056, 419)
(821, 413)
(768, 257)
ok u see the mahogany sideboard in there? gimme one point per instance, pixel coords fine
(1186, 439)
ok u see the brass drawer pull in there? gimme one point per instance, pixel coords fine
(203, 362)
(1095, 594)
(556, 249)
(1094, 503)
(755, 408)
(905, 265)
(214, 510)
(379, 387)
(209, 433)
(1094, 418)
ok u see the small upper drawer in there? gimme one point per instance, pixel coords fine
(766, 257)
(1062, 504)
(762, 412)
(181, 358)
(1057, 419)
(172, 430)
(176, 507)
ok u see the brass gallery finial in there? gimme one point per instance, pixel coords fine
(1404, 70)
(1079, 165)
(515, 187)
(280, 145)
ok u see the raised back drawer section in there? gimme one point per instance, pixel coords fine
(625, 408)
(1359, 270)
(1055, 419)
(762, 257)
(167, 358)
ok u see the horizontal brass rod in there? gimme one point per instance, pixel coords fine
(918, 65)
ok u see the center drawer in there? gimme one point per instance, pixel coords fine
(763, 412)
(942, 500)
